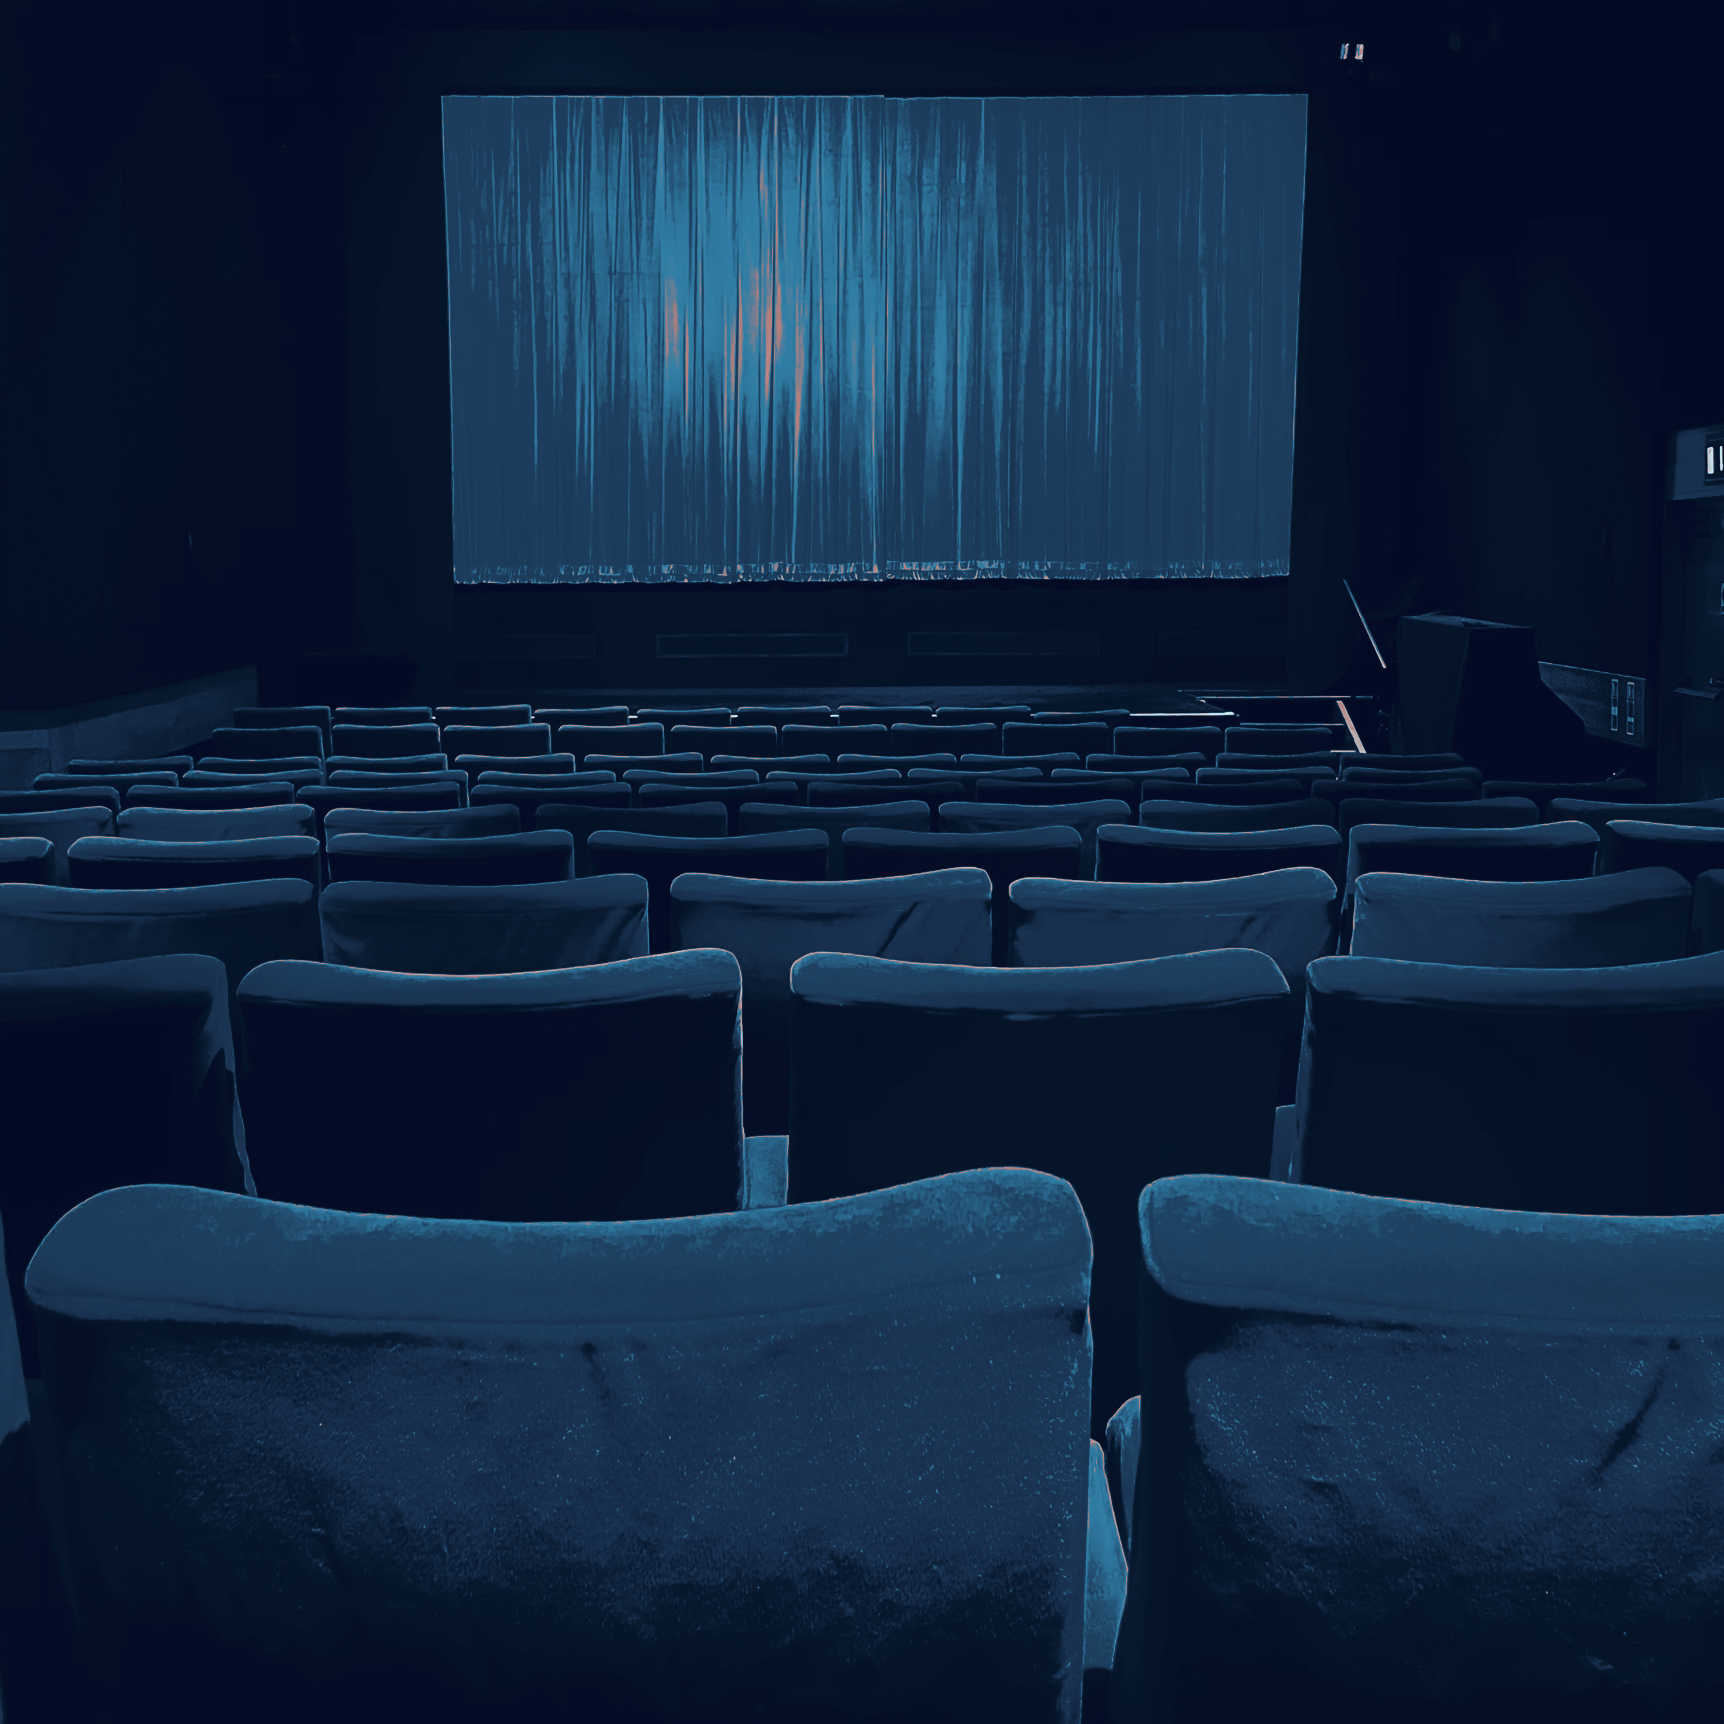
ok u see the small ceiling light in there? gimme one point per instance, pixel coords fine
(1358, 50)
(1344, 47)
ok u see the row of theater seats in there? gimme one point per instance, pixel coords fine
(350, 1457)
(1085, 1059)
(443, 1019)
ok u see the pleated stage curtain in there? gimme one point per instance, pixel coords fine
(745, 338)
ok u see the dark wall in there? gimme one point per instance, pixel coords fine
(173, 345)
(1352, 367)
(1562, 264)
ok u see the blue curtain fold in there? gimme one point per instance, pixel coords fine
(845, 337)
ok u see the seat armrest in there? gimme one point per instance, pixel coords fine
(1104, 1570)
(1284, 1148)
(765, 1172)
(1124, 1438)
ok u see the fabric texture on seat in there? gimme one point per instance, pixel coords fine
(684, 820)
(436, 929)
(1586, 1090)
(1689, 850)
(903, 1070)
(937, 918)
(213, 825)
(659, 858)
(129, 864)
(371, 740)
(897, 1556)
(265, 793)
(493, 859)
(548, 1120)
(356, 780)
(1169, 854)
(1181, 816)
(28, 859)
(61, 828)
(807, 738)
(1291, 914)
(1636, 917)
(872, 852)
(1083, 817)
(1413, 1461)
(1353, 811)
(154, 1031)
(243, 923)
(1553, 850)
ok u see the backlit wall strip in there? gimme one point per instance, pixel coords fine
(744, 338)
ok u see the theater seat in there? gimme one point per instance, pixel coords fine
(707, 739)
(372, 740)
(1182, 816)
(176, 763)
(428, 762)
(660, 858)
(1597, 813)
(1290, 913)
(870, 852)
(1689, 850)
(495, 859)
(60, 829)
(1205, 739)
(278, 717)
(1584, 1090)
(155, 1031)
(130, 864)
(532, 793)
(834, 821)
(215, 825)
(476, 765)
(31, 860)
(268, 742)
(685, 820)
(732, 796)
(1409, 1461)
(255, 769)
(418, 799)
(1555, 850)
(508, 740)
(1083, 817)
(269, 793)
(482, 822)
(1353, 811)
(526, 1104)
(579, 1460)
(201, 778)
(120, 781)
(382, 715)
(1169, 854)
(483, 716)
(934, 918)
(1637, 917)
(557, 716)
(428, 929)
(243, 923)
(903, 1070)
(1092, 787)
